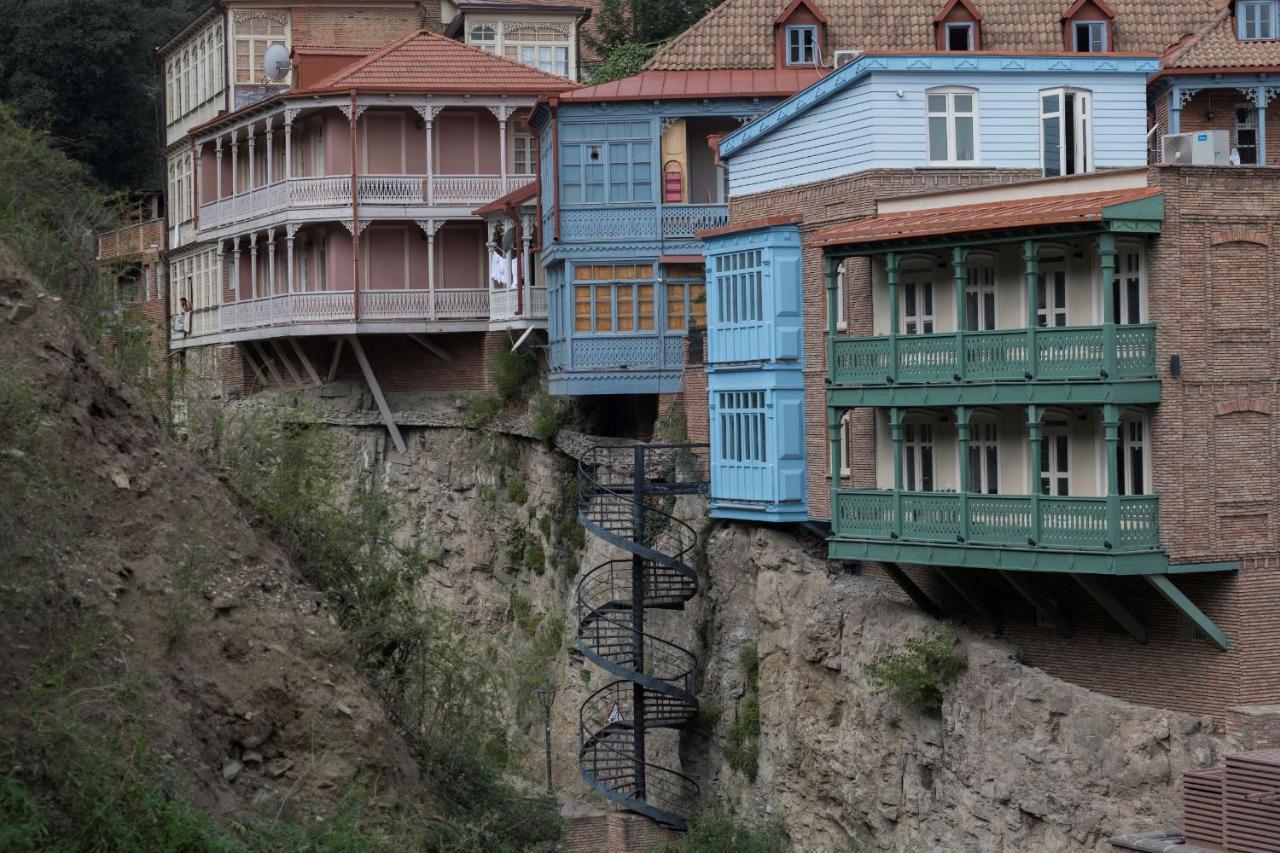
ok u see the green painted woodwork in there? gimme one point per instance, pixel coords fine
(915, 593)
(1028, 590)
(1136, 392)
(1114, 608)
(1175, 596)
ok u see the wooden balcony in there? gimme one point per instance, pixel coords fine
(442, 304)
(645, 222)
(131, 241)
(506, 304)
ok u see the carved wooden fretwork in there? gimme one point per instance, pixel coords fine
(281, 18)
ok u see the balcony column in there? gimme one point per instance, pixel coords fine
(1031, 255)
(960, 269)
(1107, 260)
(235, 267)
(288, 143)
(1035, 440)
(290, 231)
(271, 262)
(428, 115)
(895, 431)
(833, 437)
(271, 168)
(235, 162)
(503, 114)
(524, 303)
(963, 430)
(1111, 429)
(891, 273)
(199, 170)
(253, 172)
(832, 275)
(253, 265)
(429, 228)
(217, 147)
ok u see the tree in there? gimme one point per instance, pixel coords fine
(628, 32)
(84, 71)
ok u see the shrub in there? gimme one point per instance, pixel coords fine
(918, 674)
(518, 492)
(742, 750)
(712, 832)
(547, 416)
(510, 374)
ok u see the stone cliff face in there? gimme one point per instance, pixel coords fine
(1018, 761)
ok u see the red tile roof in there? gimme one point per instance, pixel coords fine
(1217, 48)
(515, 198)
(664, 85)
(425, 62)
(944, 221)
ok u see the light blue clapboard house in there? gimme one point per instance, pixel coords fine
(1051, 115)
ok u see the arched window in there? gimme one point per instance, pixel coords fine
(952, 126)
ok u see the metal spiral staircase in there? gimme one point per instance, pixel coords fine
(627, 495)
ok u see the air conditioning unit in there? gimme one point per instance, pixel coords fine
(844, 57)
(1203, 148)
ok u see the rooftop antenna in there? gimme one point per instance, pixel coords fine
(276, 64)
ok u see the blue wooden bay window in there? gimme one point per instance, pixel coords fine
(758, 447)
(607, 162)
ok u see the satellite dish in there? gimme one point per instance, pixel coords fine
(276, 64)
(508, 240)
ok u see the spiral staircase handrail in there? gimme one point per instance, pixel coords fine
(626, 498)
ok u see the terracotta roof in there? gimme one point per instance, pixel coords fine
(515, 198)
(426, 62)
(750, 225)
(1216, 46)
(739, 33)
(1003, 215)
(663, 85)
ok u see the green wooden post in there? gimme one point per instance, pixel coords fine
(895, 430)
(1031, 254)
(1111, 426)
(833, 435)
(832, 278)
(1035, 437)
(1107, 260)
(891, 274)
(960, 269)
(962, 437)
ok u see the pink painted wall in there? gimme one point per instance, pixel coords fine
(386, 256)
(383, 133)
(466, 142)
(337, 143)
(226, 174)
(208, 175)
(460, 260)
(340, 272)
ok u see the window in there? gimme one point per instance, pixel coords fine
(1052, 309)
(953, 117)
(1055, 460)
(917, 460)
(846, 446)
(739, 288)
(960, 36)
(686, 296)
(1256, 19)
(552, 60)
(1130, 300)
(1089, 36)
(1246, 132)
(984, 458)
(523, 154)
(617, 171)
(802, 45)
(544, 48)
(255, 32)
(317, 150)
(484, 37)
(842, 310)
(1131, 456)
(917, 307)
(742, 426)
(1066, 130)
(980, 298)
(613, 298)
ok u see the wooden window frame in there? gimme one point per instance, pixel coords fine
(1093, 25)
(1244, 8)
(1070, 162)
(796, 46)
(951, 117)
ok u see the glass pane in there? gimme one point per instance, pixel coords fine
(926, 469)
(964, 103)
(626, 308)
(1052, 146)
(937, 103)
(975, 469)
(993, 476)
(938, 139)
(965, 150)
(971, 312)
(989, 311)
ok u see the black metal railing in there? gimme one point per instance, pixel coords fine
(627, 498)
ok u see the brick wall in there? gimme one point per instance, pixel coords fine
(360, 26)
(1215, 109)
(822, 204)
(613, 833)
(695, 392)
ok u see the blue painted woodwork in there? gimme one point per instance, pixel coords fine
(871, 114)
(1257, 89)
(604, 206)
(755, 379)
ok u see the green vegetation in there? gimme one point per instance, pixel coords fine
(548, 415)
(511, 373)
(919, 674)
(743, 748)
(518, 492)
(712, 832)
(190, 583)
(629, 32)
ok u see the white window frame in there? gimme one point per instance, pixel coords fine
(1079, 161)
(255, 74)
(1095, 27)
(1250, 123)
(984, 438)
(925, 321)
(842, 310)
(981, 285)
(529, 145)
(1052, 450)
(951, 116)
(846, 435)
(917, 437)
(1131, 269)
(969, 26)
(483, 36)
(1135, 431)
(1250, 15)
(549, 58)
(798, 48)
(1050, 309)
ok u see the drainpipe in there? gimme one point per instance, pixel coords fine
(355, 216)
(514, 216)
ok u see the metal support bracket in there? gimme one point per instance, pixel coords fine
(372, 381)
(1112, 605)
(919, 596)
(1174, 596)
(1039, 602)
(971, 598)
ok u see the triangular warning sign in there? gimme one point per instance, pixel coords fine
(615, 715)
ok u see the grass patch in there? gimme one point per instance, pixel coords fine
(742, 750)
(919, 674)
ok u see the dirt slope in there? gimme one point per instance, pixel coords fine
(247, 686)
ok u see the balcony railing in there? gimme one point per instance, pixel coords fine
(130, 240)
(1054, 523)
(339, 306)
(335, 191)
(681, 221)
(617, 352)
(505, 304)
(607, 222)
(1060, 354)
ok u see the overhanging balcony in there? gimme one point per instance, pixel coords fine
(650, 222)
(508, 304)
(1072, 364)
(339, 307)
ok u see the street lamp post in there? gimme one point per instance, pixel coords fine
(547, 697)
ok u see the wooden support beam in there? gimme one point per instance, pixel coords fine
(922, 600)
(971, 598)
(259, 371)
(337, 357)
(1039, 602)
(377, 393)
(269, 362)
(305, 362)
(284, 359)
(1174, 596)
(430, 347)
(1109, 603)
